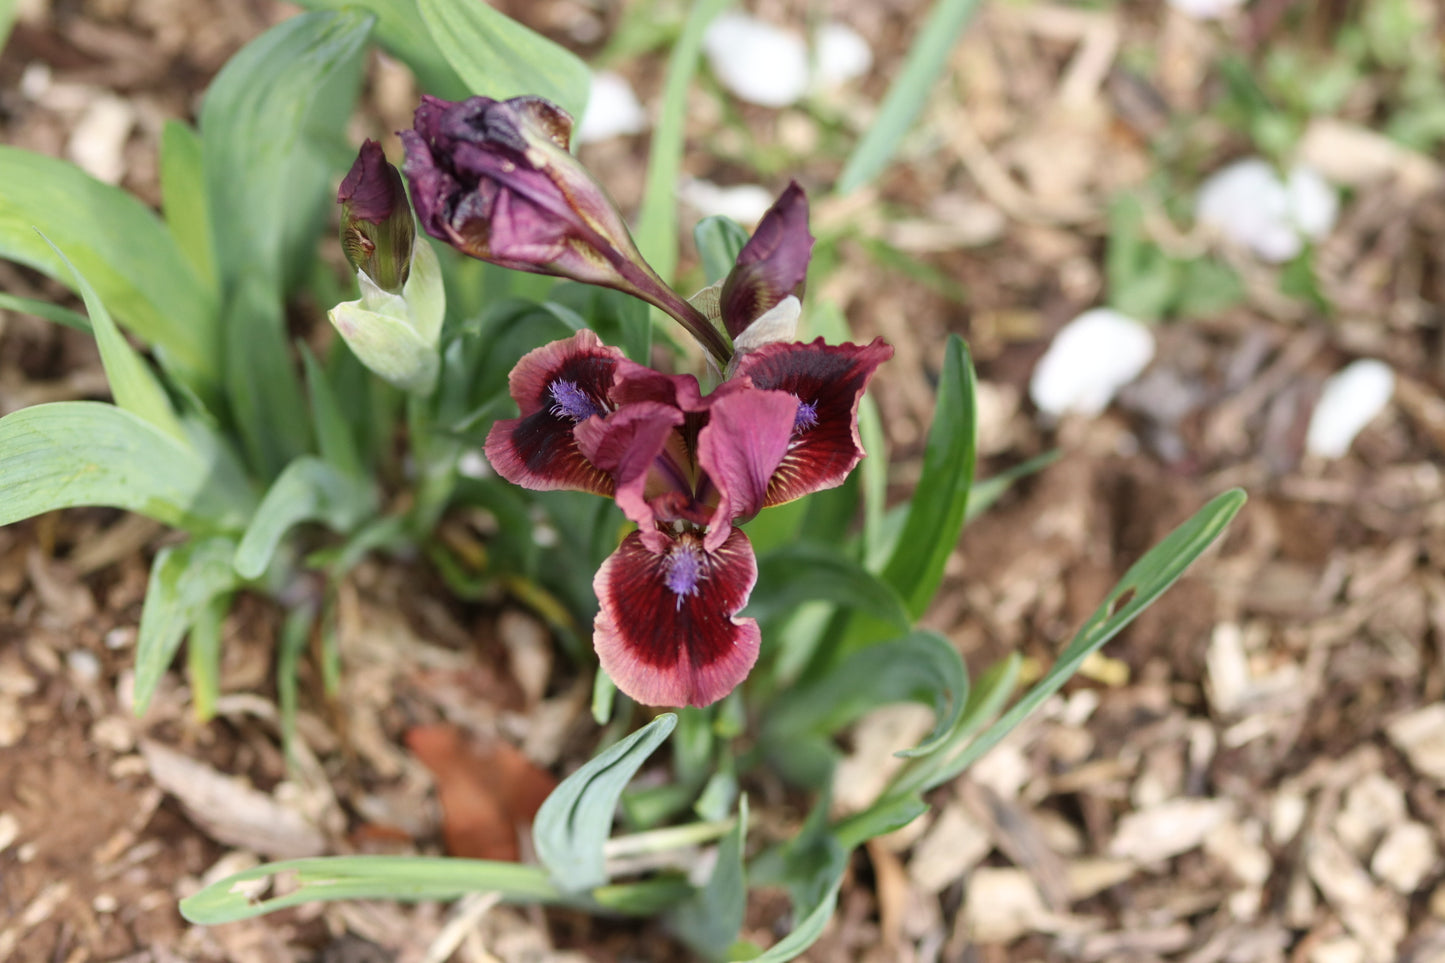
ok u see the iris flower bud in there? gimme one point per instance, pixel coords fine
(394, 327)
(377, 230)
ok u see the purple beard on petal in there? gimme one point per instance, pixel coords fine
(806, 417)
(570, 401)
(685, 570)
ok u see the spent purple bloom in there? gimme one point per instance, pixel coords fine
(494, 179)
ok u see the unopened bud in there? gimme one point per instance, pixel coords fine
(377, 230)
(396, 335)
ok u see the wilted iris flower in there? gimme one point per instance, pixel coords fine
(686, 467)
(494, 179)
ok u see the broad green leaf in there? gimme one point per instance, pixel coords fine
(399, 28)
(497, 57)
(410, 878)
(184, 579)
(718, 240)
(44, 309)
(940, 501)
(121, 247)
(574, 823)
(183, 199)
(262, 387)
(710, 920)
(1144, 582)
(808, 571)
(919, 667)
(927, 57)
(333, 430)
(308, 490)
(657, 221)
(273, 134)
(131, 382)
(71, 453)
(885, 816)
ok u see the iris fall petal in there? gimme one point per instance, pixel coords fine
(666, 634)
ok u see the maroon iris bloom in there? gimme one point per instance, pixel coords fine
(686, 467)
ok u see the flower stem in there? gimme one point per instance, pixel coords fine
(673, 837)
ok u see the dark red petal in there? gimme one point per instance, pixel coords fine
(664, 647)
(556, 386)
(626, 444)
(744, 442)
(372, 188)
(828, 381)
(771, 265)
(636, 382)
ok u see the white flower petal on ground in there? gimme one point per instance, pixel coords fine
(1090, 359)
(745, 203)
(841, 54)
(1313, 203)
(1206, 9)
(756, 61)
(1248, 204)
(1351, 398)
(613, 110)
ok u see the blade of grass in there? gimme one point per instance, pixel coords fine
(927, 56)
(657, 222)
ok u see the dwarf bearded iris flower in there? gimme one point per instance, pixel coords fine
(687, 468)
(495, 180)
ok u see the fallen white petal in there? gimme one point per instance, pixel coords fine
(1247, 203)
(745, 203)
(756, 61)
(613, 110)
(1206, 9)
(1350, 399)
(841, 54)
(1313, 203)
(1090, 359)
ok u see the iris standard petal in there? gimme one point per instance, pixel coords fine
(745, 440)
(556, 386)
(771, 265)
(666, 632)
(828, 381)
(628, 445)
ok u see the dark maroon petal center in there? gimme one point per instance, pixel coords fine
(666, 631)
